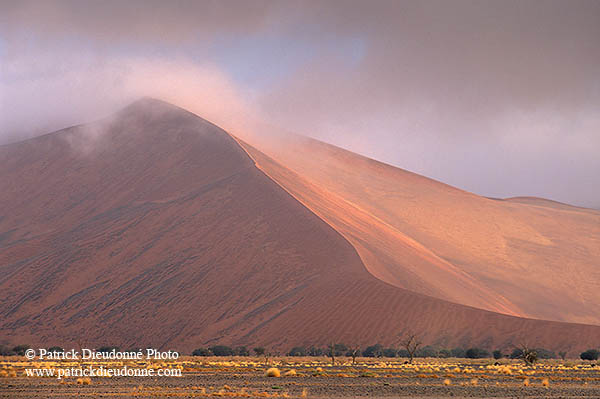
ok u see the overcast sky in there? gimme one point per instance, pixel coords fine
(501, 98)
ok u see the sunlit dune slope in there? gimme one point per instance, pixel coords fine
(155, 228)
(524, 256)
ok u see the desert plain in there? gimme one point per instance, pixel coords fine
(312, 377)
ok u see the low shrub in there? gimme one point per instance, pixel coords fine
(476, 353)
(19, 350)
(297, 351)
(242, 351)
(202, 352)
(6, 351)
(389, 352)
(314, 351)
(590, 354)
(427, 351)
(57, 349)
(545, 353)
(458, 352)
(222, 350)
(373, 351)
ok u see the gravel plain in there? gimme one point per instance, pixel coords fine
(315, 378)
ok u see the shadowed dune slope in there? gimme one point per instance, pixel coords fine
(522, 256)
(155, 228)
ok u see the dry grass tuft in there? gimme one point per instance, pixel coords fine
(545, 382)
(290, 373)
(273, 372)
(447, 381)
(474, 381)
(526, 382)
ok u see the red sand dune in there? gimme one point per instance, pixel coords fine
(529, 257)
(155, 228)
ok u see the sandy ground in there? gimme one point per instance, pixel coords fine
(316, 378)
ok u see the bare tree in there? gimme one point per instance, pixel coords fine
(354, 352)
(80, 344)
(332, 353)
(411, 342)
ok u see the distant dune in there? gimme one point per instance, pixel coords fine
(157, 228)
(548, 203)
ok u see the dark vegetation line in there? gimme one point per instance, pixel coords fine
(338, 350)
(378, 351)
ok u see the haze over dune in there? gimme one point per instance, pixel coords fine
(499, 98)
(156, 228)
(522, 256)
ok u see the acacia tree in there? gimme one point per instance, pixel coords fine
(261, 351)
(411, 342)
(528, 355)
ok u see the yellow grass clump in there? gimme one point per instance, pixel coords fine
(504, 370)
(84, 381)
(447, 381)
(526, 382)
(474, 381)
(290, 373)
(273, 372)
(545, 382)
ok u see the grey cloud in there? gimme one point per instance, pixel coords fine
(497, 97)
(113, 21)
